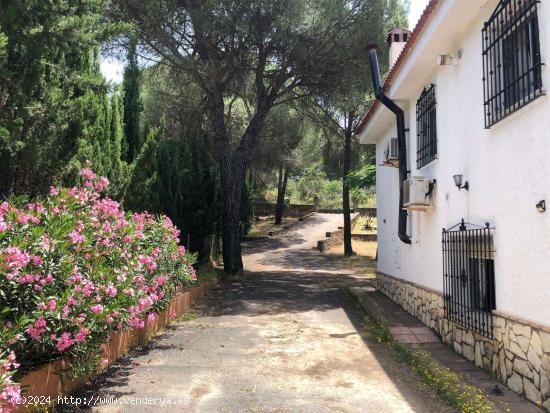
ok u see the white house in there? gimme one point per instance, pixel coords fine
(467, 248)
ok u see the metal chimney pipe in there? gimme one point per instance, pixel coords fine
(401, 138)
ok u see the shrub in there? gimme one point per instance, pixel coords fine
(75, 267)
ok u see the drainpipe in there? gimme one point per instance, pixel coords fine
(401, 141)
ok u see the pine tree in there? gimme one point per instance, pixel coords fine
(132, 104)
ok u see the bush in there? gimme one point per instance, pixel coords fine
(75, 267)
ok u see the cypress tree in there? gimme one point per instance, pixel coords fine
(46, 77)
(143, 193)
(132, 103)
(119, 168)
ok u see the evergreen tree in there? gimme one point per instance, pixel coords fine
(143, 191)
(132, 103)
(47, 78)
(119, 169)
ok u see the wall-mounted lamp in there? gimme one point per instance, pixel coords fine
(541, 206)
(458, 182)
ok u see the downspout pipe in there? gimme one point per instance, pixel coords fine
(401, 139)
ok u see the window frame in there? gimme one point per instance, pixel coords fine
(469, 288)
(426, 127)
(512, 65)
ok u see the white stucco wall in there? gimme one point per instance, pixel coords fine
(507, 166)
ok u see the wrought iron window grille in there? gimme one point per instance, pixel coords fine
(511, 59)
(426, 127)
(469, 276)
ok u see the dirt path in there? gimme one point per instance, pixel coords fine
(287, 339)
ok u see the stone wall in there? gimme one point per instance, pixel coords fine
(292, 211)
(519, 354)
(297, 210)
(334, 238)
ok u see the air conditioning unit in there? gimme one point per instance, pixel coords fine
(417, 194)
(391, 156)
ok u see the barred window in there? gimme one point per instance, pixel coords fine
(469, 277)
(511, 59)
(426, 130)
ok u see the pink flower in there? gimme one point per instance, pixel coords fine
(80, 337)
(181, 250)
(172, 314)
(87, 173)
(4, 207)
(52, 304)
(111, 290)
(36, 260)
(3, 226)
(76, 237)
(15, 258)
(151, 316)
(36, 330)
(136, 323)
(23, 218)
(79, 226)
(101, 184)
(64, 342)
(98, 308)
(104, 362)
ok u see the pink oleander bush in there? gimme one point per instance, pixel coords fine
(75, 267)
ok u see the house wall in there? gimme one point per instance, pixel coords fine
(508, 168)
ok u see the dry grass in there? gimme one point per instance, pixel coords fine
(361, 248)
(364, 261)
(262, 227)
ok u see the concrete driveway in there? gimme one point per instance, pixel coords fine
(286, 339)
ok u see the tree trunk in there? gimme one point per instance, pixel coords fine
(281, 192)
(233, 164)
(348, 249)
(231, 186)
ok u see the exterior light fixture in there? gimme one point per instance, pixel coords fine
(458, 182)
(541, 206)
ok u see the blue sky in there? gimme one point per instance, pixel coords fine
(112, 68)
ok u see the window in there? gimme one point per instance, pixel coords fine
(511, 59)
(426, 130)
(469, 277)
(396, 37)
(405, 37)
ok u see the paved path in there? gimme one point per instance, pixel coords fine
(287, 339)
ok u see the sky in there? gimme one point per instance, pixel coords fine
(112, 68)
(417, 7)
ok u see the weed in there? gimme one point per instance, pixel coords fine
(449, 385)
